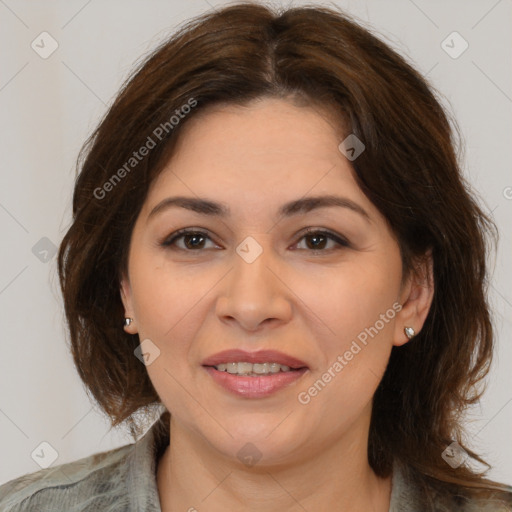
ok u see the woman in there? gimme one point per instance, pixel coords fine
(272, 239)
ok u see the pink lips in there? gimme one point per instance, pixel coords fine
(254, 387)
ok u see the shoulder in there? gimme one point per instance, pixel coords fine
(413, 492)
(90, 483)
(459, 498)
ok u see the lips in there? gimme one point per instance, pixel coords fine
(260, 356)
(255, 387)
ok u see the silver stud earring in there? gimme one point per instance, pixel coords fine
(127, 321)
(409, 332)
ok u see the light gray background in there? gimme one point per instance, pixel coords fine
(49, 106)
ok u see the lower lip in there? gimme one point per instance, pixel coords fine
(255, 387)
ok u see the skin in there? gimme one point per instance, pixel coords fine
(309, 304)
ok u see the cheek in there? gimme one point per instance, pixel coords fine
(350, 300)
(167, 306)
(156, 303)
(165, 297)
(354, 336)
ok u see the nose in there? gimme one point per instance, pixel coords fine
(254, 294)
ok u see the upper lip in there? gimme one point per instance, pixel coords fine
(260, 356)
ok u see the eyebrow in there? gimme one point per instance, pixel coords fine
(297, 207)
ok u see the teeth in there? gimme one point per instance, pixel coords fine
(274, 367)
(232, 367)
(261, 368)
(252, 370)
(244, 368)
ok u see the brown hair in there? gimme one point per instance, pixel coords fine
(409, 170)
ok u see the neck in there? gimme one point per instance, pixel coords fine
(191, 476)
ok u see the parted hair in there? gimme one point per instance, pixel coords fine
(410, 170)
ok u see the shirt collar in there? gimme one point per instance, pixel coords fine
(142, 466)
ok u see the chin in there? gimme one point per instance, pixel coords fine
(260, 443)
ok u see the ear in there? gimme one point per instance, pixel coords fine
(126, 298)
(416, 298)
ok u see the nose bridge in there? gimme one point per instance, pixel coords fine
(254, 293)
(253, 257)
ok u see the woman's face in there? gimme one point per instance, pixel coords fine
(253, 280)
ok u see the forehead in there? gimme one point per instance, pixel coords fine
(263, 154)
(262, 131)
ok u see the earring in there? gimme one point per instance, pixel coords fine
(409, 332)
(127, 321)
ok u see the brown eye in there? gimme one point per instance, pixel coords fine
(319, 239)
(193, 239)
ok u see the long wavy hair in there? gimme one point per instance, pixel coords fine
(409, 169)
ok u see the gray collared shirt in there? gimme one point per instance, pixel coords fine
(124, 480)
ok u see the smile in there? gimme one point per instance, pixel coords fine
(252, 369)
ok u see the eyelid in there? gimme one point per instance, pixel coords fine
(168, 240)
(339, 239)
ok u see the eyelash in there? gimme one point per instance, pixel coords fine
(171, 239)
